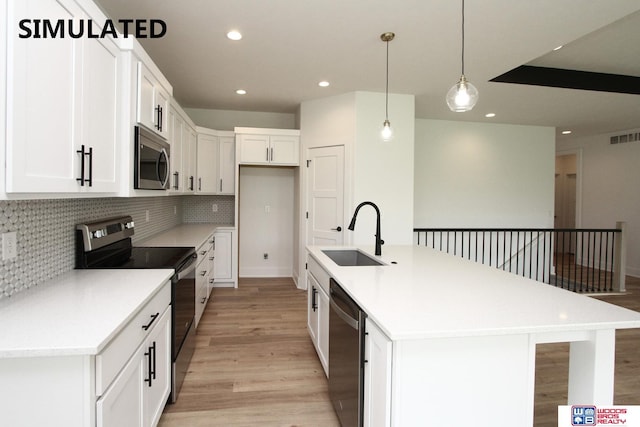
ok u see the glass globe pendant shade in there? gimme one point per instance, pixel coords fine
(387, 132)
(462, 97)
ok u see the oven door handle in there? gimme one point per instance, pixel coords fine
(188, 267)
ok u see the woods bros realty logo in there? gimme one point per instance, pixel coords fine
(591, 415)
(77, 28)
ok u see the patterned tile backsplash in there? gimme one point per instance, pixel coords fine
(45, 229)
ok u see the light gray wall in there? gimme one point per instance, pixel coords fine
(483, 175)
(227, 119)
(609, 177)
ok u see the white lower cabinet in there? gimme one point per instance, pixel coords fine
(318, 311)
(126, 384)
(377, 377)
(137, 396)
(204, 272)
(223, 261)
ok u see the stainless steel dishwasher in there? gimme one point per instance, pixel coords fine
(346, 357)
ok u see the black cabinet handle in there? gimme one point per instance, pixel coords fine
(153, 319)
(158, 117)
(176, 180)
(153, 370)
(191, 183)
(90, 180)
(199, 184)
(272, 154)
(338, 228)
(220, 184)
(160, 121)
(149, 368)
(203, 300)
(82, 154)
(203, 273)
(314, 303)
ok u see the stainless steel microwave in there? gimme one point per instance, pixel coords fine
(151, 160)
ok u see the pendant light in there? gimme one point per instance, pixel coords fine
(387, 132)
(463, 95)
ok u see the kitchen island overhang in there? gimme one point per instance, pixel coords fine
(464, 335)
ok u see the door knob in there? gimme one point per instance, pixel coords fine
(337, 229)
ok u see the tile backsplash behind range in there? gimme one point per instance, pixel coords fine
(46, 229)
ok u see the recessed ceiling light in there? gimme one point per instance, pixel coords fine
(241, 92)
(558, 48)
(234, 35)
(323, 83)
(489, 115)
(566, 132)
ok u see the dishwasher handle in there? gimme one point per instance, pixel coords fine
(354, 323)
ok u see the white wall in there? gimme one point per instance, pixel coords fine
(227, 119)
(266, 232)
(383, 172)
(609, 189)
(483, 175)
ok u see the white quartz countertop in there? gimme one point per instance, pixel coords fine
(75, 314)
(185, 235)
(430, 294)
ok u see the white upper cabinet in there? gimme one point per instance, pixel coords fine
(277, 147)
(153, 102)
(227, 165)
(215, 162)
(63, 98)
(207, 164)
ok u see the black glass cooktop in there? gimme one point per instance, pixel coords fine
(157, 257)
(122, 255)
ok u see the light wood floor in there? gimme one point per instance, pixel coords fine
(255, 365)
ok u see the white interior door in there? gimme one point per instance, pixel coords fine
(325, 196)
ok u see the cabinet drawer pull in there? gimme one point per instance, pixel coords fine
(203, 252)
(272, 154)
(211, 280)
(314, 304)
(267, 154)
(203, 273)
(199, 184)
(211, 258)
(176, 181)
(203, 300)
(153, 319)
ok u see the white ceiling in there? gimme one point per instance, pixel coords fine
(288, 46)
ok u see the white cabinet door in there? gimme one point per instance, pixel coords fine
(62, 103)
(207, 164)
(157, 370)
(312, 308)
(121, 404)
(153, 102)
(189, 146)
(226, 167)
(323, 328)
(177, 124)
(277, 150)
(146, 113)
(162, 99)
(284, 150)
(223, 253)
(99, 113)
(377, 378)
(253, 149)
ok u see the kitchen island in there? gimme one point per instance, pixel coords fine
(461, 338)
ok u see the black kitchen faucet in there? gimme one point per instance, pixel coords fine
(352, 225)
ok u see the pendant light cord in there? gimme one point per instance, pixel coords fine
(386, 90)
(463, 37)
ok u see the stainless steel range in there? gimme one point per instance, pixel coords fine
(107, 244)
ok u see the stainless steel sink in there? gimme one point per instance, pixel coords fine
(351, 258)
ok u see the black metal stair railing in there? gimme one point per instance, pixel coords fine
(581, 260)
